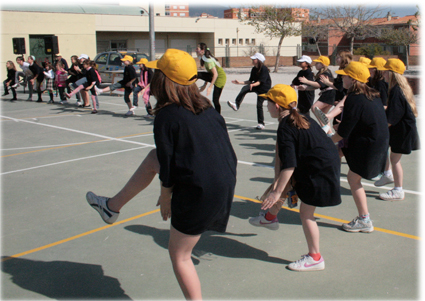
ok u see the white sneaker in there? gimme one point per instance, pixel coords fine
(307, 263)
(260, 126)
(63, 102)
(232, 105)
(98, 91)
(129, 113)
(358, 225)
(384, 180)
(99, 203)
(321, 116)
(392, 195)
(260, 221)
(133, 108)
(15, 85)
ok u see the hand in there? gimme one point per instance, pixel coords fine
(302, 79)
(164, 201)
(236, 82)
(209, 90)
(324, 79)
(128, 84)
(270, 201)
(250, 87)
(301, 88)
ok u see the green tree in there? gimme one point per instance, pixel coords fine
(400, 37)
(274, 22)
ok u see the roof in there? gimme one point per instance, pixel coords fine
(75, 9)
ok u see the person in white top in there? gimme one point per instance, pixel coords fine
(26, 74)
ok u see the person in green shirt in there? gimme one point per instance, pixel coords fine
(214, 75)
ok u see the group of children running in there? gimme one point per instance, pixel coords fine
(198, 181)
(82, 76)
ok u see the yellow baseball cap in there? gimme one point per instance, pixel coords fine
(377, 62)
(323, 59)
(395, 65)
(142, 61)
(356, 70)
(281, 94)
(179, 66)
(127, 58)
(365, 60)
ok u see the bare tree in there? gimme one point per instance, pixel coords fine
(274, 22)
(314, 31)
(353, 21)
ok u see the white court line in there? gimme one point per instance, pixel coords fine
(80, 132)
(73, 160)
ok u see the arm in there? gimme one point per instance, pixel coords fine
(214, 78)
(238, 82)
(164, 201)
(284, 177)
(313, 84)
(324, 79)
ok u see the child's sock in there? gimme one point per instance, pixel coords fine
(365, 217)
(270, 216)
(398, 188)
(388, 173)
(315, 256)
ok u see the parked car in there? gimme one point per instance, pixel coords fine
(109, 62)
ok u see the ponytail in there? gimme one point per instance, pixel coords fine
(295, 118)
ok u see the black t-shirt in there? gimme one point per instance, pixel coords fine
(263, 77)
(129, 74)
(327, 95)
(365, 127)
(92, 77)
(340, 91)
(37, 70)
(316, 162)
(403, 131)
(11, 76)
(196, 157)
(305, 98)
(382, 87)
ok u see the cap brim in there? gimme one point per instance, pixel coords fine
(264, 96)
(382, 68)
(341, 72)
(152, 64)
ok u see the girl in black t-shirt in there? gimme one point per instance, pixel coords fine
(401, 117)
(305, 98)
(377, 80)
(258, 82)
(90, 85)
(10, 80)
(327, 94)
(364, 126)
(308, 157)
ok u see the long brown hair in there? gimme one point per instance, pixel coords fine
(295, 118)
(168, 92)
(363, 88)
(400, 80)
(346, 57)
(207, 53)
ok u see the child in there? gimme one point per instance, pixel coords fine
(364, 125)
(196, 200)
(144, 87)
(258, 82)
(215, 74)
(305, 98)
(311, 159)
(327, 94)
(49, 74)
(128, 82)
(401, 117)
(377, 80)
(38, 76)
(74, 76)
(60, 80)
(10, 80)
(91, 84)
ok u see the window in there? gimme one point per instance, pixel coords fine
(102, 59)
(182, 14)
(220, 41)
(233, 41)
(182, 7)
(175, 7)
(167, 13)
(247, 41)
(240, 41)
(174, 14)
(227, 41)
(115, 59)
(253, 41)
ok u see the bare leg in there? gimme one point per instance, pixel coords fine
(311, 230)
(180, 248)
(397, 169)
(358, 192)
(337, 110)
(324, 107)
(85, 96)
(141, 179)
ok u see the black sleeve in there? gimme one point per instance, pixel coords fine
(286, 146)
(395, 110)
(264, 74)
(296, 81)
(382, 87)
(351, 116)
(253, 76)
(166, 136)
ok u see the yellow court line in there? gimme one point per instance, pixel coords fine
(337, 220)
(78, 236)
(77, 144)
(157, 210)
